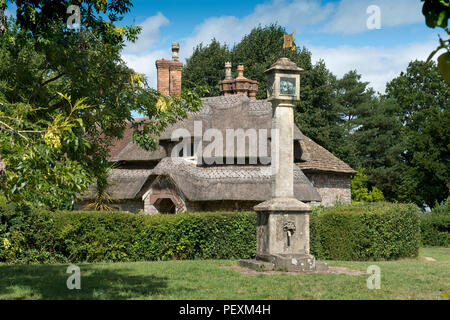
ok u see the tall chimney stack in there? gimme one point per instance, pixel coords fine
(169, 73)
(240, 85)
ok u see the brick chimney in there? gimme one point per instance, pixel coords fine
(169, 73)
(240, 85)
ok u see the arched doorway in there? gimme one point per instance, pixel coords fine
(165, 205)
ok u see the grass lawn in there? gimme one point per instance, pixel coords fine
(403, 279)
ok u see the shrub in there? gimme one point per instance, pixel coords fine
(352, 232)
(360, 190)
(435, 225)
(378, 231)
(29, 235)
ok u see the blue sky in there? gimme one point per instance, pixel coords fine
(335, 31)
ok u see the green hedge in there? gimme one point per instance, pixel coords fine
(435, 226)
(39, 236)
(377, 231)
(354, 232)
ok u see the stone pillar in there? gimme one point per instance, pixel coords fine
(283, 221)
(283, 153)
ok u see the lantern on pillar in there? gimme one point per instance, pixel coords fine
(283, 81)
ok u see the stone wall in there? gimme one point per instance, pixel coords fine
(332, 187)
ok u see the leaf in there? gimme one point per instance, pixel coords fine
(444, 65)
(162, 104)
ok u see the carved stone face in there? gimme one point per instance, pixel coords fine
(287, 86)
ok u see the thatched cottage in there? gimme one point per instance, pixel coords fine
(173, 180)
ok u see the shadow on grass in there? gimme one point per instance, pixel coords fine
(97, 282)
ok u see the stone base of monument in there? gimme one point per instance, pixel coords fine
(285, 262)
(283, 238)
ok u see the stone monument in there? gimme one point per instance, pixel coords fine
(283, 221)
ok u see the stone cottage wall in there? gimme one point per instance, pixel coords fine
(332, 187)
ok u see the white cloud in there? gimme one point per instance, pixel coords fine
(145, 63)
(351, 15)
(150, 34)
(296, 14)
(139, 55)
(346, 16)
(376, 65)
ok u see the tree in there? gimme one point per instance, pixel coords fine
(39, 170)
(351, 94)
(206, 66)
(41, 58)
(425, 115)
(379, 144)
(316, 114)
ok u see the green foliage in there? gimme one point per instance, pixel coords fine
(206, 66)
(435, 225)
(261, 48)
(380, 231)
(30, 235)
(35, 155)
(437, 13)
(423, 154)
(40, 58)
(360, 191)
(379, 144)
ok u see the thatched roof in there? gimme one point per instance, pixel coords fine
(198, 183)
(236, 111)
(125, 184)
(227, 182)
(237, 182)
(318, 158)
(221, 113)
(230, 112)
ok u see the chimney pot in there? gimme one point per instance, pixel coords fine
(228, 75)
(175, 50)
(240, 85)
(240, 70)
